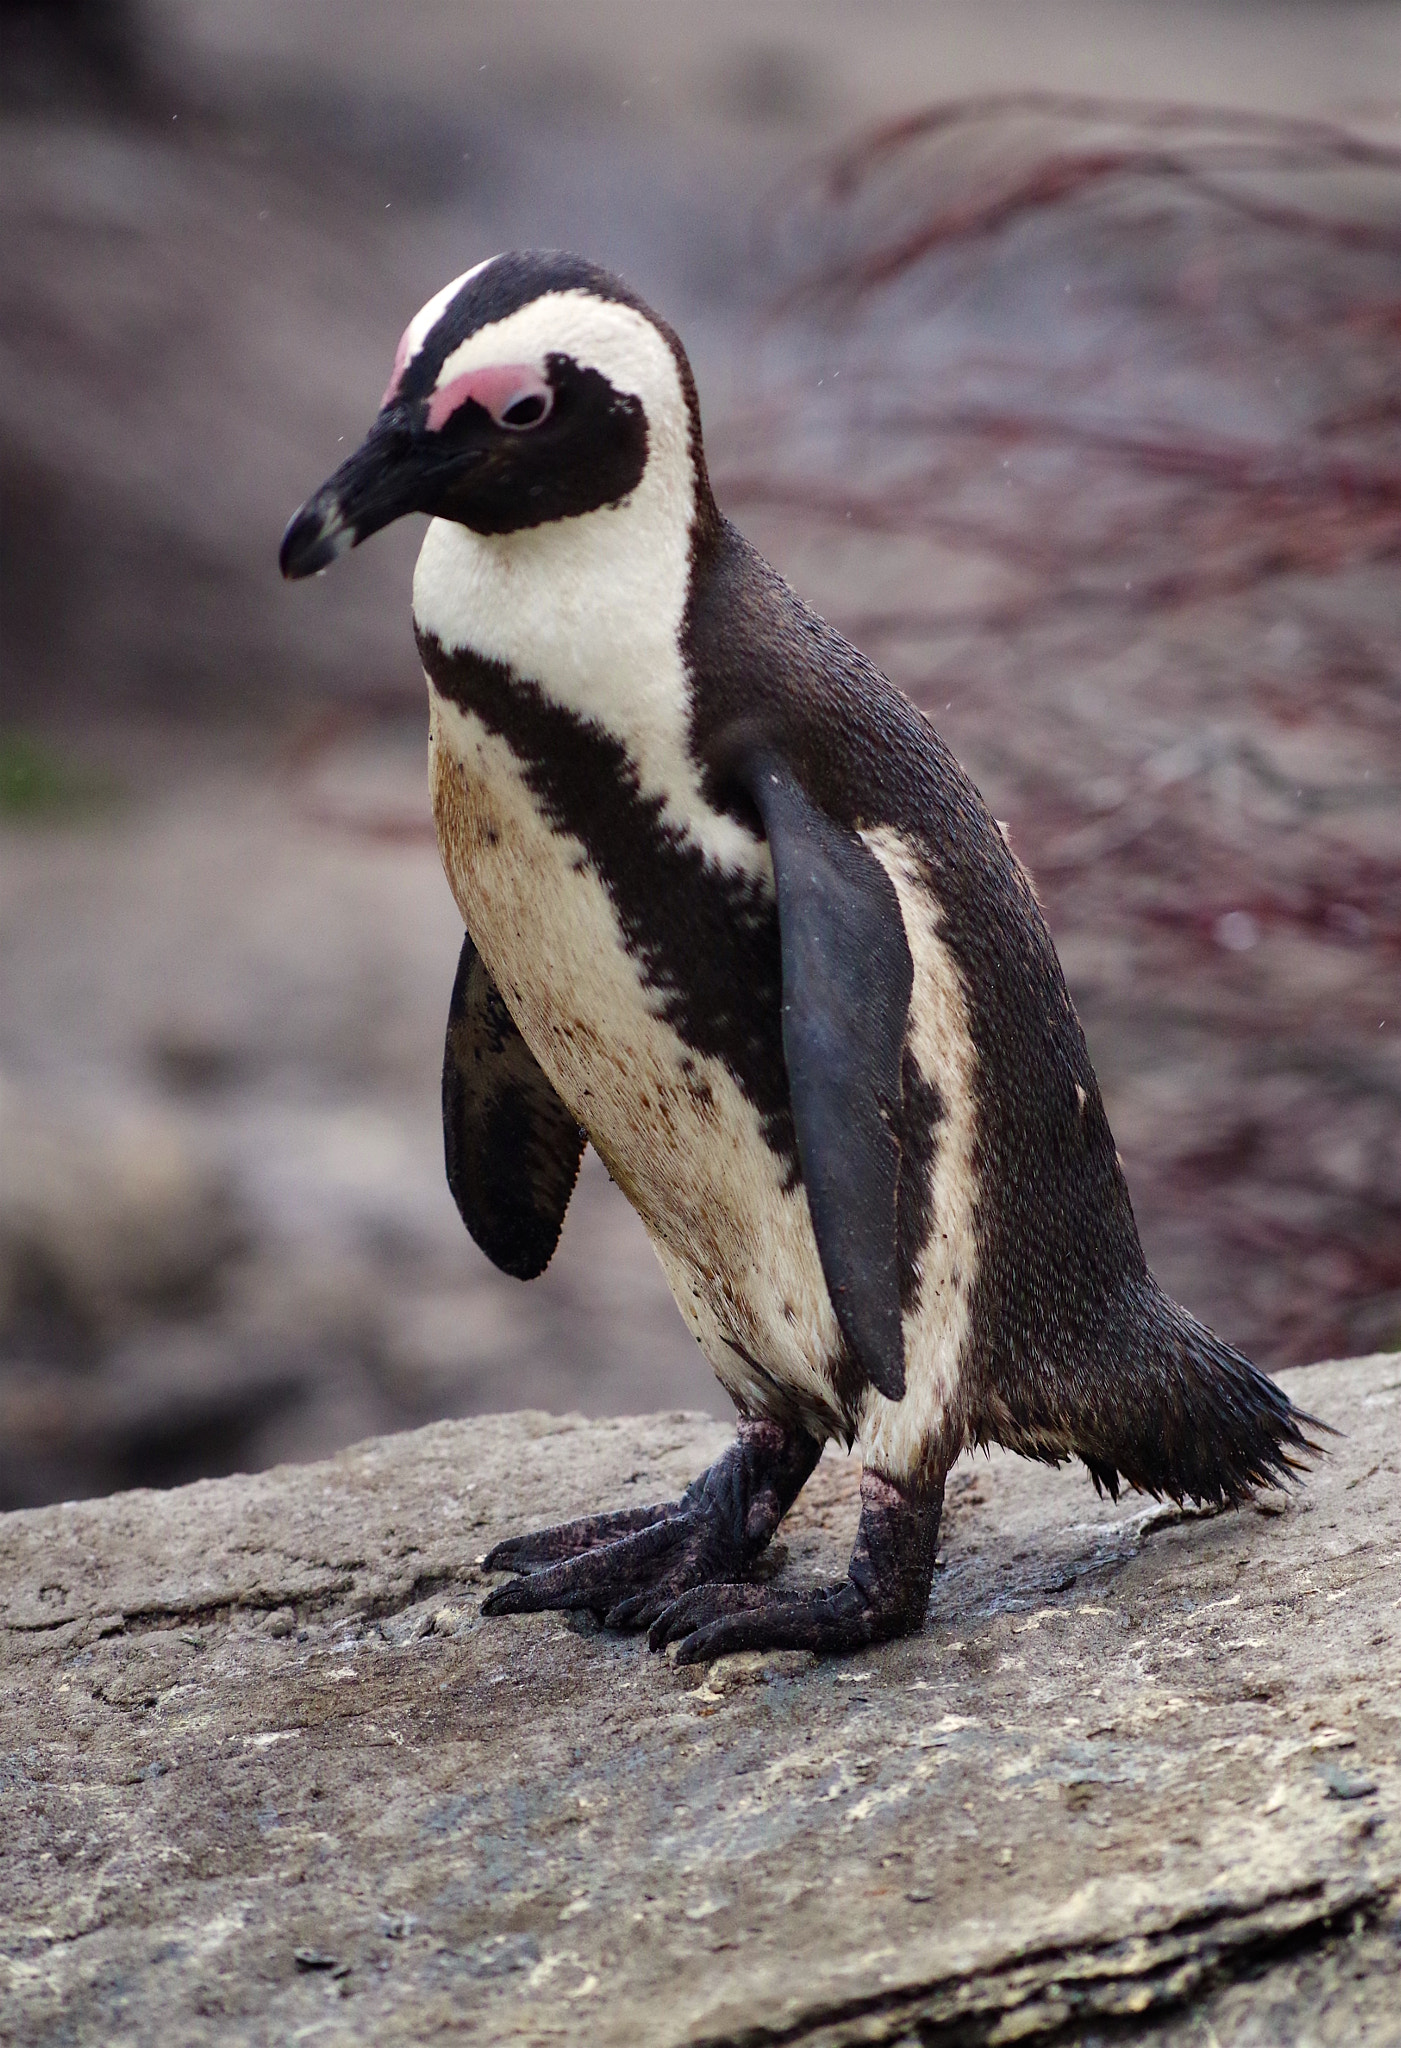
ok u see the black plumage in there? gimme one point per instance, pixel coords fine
(800, 984)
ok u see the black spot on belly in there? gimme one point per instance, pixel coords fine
(921, 1115)
(705, 939)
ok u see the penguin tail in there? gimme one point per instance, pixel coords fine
(1190, 1418)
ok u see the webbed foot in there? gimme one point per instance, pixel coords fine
(884, 1594)
(574, 1539)
(627, 1568)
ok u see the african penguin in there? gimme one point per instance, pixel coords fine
(736, 916)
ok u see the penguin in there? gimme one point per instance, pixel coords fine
(736, 917)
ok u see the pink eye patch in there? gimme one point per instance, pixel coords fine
(515, 395)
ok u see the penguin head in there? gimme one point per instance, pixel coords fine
(534, 388)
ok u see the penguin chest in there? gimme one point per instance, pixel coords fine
(687, 1144)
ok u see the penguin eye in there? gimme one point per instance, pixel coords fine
(512, 395)
(526, 411)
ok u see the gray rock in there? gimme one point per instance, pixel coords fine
(269, 1778)
(107, 1218)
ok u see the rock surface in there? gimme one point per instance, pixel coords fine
(269, 1778)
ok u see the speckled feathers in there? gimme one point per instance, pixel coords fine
(608, 661)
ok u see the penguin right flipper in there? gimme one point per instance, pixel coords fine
(511, 1146)
(847, 977)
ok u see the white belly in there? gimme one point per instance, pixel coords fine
(671, 1124)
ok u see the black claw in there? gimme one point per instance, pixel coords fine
(524, 1595)
(679, 1569)
(885, 1594)
(594, 1578)
(679, 1618)
(510, 1556)
(629, 1567)
(695, 1649)
(573, 1539)
(637, 1611)
(830, 1622)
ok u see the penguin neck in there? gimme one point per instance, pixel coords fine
(590, 612)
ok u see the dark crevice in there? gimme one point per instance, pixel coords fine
(386, 1604)
(1183, 1975)
(315, 1606)
(309, 1606)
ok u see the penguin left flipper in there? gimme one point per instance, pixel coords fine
(512, 1148)
(847, 977)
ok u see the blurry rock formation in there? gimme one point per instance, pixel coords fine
(1096, 444)
(1083, 417)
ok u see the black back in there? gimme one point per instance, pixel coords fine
(1057, 1242)
(1072, 1347)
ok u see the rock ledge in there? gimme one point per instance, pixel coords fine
(269, 1778)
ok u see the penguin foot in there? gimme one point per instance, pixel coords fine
(574, 1539)
(884, 1594)
(716, 1621)
(627, 1568)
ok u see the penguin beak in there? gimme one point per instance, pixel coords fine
(376, 485)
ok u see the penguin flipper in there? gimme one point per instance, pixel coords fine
(511, 1146)
(847, 977)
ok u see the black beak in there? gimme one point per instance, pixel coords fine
(374, 486)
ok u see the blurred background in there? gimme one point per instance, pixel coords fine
(1053, 352)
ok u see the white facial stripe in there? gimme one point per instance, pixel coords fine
(425, 320)
(598, 333)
